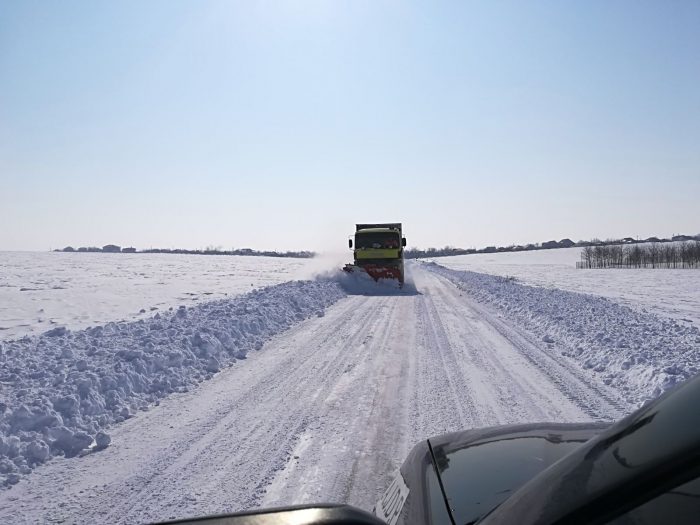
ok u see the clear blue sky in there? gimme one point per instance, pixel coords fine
(280, 124)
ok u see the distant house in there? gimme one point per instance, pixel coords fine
(68, 249)
(129, 250)
(550, 244)
(628, 240)
(111, 248)
(566, 243)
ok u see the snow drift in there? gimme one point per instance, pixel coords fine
(640, 353)
(61, 390)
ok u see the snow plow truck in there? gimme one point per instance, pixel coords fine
(378, 251)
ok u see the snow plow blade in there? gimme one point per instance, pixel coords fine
(377, 272)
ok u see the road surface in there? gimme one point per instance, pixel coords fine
(325, 412)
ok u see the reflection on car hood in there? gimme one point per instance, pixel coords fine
(479, 469)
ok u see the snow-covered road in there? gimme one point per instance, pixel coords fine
(324, 412)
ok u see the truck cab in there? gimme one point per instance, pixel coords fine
(378, 250)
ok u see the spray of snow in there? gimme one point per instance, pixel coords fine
(329, 266)
(324, 265)
(360, 283)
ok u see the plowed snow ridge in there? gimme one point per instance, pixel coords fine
(62, 389)
(327, 409)
(642, 354)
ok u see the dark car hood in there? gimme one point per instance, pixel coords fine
(480, 468)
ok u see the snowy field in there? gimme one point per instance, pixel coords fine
(234, 394)
(672, 293)
(39, 291)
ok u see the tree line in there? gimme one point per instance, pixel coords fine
(685, 254)
(417, 253)
(113, 248)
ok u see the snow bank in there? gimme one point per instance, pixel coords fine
(639, 353)
(39, 291)
(667, 292)
(62, 389)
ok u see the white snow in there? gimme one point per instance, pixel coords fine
(671, 293)
(39, 291)
(173, 414)
(325, 412)
(640, 353)
(63, 388)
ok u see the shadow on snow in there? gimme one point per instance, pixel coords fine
(363, 284)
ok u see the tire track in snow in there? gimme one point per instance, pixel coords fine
(244, 473)
(435, 348)
(374, 423)
(597, 400)
(506, 390)
(487, 334)
(361, 436)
